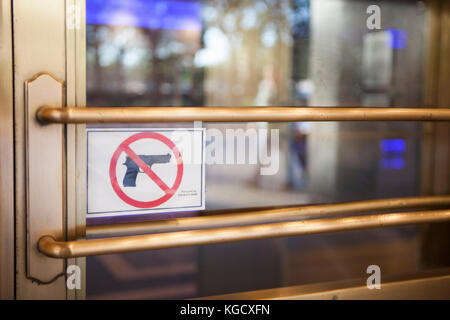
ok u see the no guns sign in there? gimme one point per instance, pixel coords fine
(133, 171)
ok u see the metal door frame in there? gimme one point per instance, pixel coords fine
(39, 36)
(7, 268)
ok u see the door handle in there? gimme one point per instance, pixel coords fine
(80, 248)
(237, 217)
(67, 249)
(48, 114)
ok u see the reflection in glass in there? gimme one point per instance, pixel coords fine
(276, 53)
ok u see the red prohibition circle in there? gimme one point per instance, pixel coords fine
(124, 147)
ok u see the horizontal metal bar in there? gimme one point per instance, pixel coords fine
(236, 114)
(59, 249)
(239, 217)
(423, 284)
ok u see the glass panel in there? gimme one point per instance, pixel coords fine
(268, 53)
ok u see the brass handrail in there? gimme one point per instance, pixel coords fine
(236, 114)
(236, 217)
(80, 248)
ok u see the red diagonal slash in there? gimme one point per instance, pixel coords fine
(124, 147)
(147, 169)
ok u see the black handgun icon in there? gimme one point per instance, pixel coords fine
(133, 169)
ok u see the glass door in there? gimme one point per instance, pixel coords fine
(81, 188)
(267, 53)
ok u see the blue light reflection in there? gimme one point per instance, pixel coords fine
(154, 14)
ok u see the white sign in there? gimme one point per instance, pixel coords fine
(135, 171)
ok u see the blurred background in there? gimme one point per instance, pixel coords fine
(270, 53)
